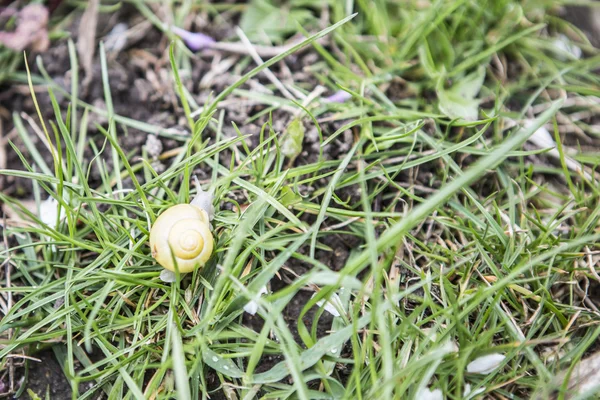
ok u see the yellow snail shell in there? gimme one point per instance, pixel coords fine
(182, 234)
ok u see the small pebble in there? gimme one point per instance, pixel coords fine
(153, 146)
(158, 166)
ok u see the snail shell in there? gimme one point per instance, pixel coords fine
(182, 235)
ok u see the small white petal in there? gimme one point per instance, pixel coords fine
(449, 346)
(468, 394)
(541, 137)
(251, 307)
(426, 394)
(330, 309)
(49, 212)
(168, 276)
(563, 44)
(430, 334)
(486, 364)
(332, 305)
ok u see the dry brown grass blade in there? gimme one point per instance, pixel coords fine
(86, 43)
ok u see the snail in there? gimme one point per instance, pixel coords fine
(180, 238)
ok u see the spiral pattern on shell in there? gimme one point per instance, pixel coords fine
(181, 235)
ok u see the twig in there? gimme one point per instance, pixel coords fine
(317, 92)
(262, 51)
(217, 69)
(37, 130)
(590, 263)
(341, 224)
(258, 60)
(24, 357)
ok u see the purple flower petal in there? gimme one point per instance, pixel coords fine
(194, 41)
(338, 97)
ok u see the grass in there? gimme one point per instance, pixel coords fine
(463, 235)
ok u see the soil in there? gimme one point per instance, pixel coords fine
(142, 90)
(46, 376)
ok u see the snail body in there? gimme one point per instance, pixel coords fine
(181, 238)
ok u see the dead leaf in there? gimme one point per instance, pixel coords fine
(585, 378)
(543, 139)
(86, 43)
(31, 30)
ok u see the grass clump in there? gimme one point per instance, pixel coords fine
(422, 231)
